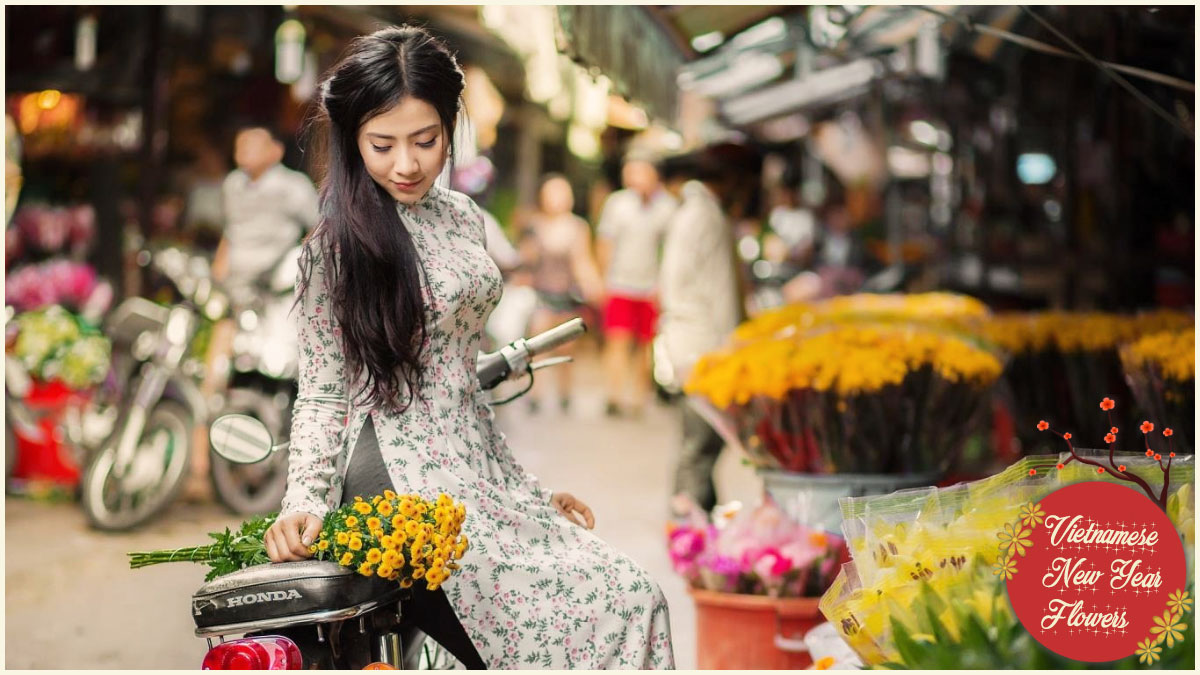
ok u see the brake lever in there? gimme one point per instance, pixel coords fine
(546, 363)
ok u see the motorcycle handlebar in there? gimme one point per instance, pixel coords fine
(555, 337)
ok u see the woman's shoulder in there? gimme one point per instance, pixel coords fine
(460, 207)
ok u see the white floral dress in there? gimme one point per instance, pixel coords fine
(535, 590)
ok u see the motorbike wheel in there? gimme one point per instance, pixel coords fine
(162, 455)
(251, 489)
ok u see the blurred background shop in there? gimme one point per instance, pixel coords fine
(1021, 177)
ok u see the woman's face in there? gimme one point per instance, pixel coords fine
(557, 197)
(404, 149)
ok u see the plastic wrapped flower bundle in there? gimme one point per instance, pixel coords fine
(760, 552)
(53, 344)
(402, 538)
(860, 397)
(943, 309)
(1161, 371)
(914, 550)
(1059, 360)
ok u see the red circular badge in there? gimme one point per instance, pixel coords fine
(1096, 572)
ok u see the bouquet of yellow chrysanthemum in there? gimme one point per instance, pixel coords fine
(1161, 371)
(402, 538)
(1061, 361)
(865, 397)
(396, 537)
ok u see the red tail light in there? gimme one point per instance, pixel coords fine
(262, 653)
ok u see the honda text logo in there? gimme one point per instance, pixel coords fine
(255, 598)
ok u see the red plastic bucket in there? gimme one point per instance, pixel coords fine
(735, 631)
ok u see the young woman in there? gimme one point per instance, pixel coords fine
(557, 248)
(395, 288)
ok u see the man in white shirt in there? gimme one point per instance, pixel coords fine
(268, 208)
(701, 305)
(629, 235)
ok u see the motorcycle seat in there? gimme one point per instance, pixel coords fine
(273, 595)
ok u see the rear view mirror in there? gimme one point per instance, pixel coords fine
(240, 439)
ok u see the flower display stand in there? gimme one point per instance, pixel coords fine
(736, 631)
(818, 494)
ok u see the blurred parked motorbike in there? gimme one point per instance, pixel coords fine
(141, 465)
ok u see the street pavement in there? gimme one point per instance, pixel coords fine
(71, 600)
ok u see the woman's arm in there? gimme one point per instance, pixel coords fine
(583, 265)
(318, 418)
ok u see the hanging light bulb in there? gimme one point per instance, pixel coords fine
(289, 51)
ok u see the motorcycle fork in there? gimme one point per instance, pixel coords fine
(178, 334)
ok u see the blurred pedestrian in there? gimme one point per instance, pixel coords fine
(268, 208)
(558, 252)
(632, 225)
(701, 305)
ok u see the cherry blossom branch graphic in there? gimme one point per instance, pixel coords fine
(1120, 471)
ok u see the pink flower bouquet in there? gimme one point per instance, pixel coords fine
(761, 552)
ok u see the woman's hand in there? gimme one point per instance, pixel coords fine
(289, 537)
(568, 506)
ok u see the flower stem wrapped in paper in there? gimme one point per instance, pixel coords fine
(402, 538)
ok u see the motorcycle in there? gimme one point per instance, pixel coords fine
(141, 464)
(317, 614)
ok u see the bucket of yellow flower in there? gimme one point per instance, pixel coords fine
(847, 409)
(1061, 361)
(1161, 371)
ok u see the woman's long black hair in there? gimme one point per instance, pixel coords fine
(373, 272)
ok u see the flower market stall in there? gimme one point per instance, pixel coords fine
(854, 408)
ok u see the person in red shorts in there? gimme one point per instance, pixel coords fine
(630, 235)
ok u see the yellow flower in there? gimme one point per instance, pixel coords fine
(1032, 514)
(1148, 651)
(343, 538)
(384, 509)
(389, 495)
(351, 522)
(1006, 567)
(355, 544)
(422, 509)
(1168, 628)
(390, 558)
(374, 523)
(418, 572)
(362, 508)
(323, 545)
(347, 558)
(378, 534)
(374, 556)
(387, 541)
(439, 563)
(434, 587)
(365, 569)
(411, 528)
(1179, 602)
(376, 499)
(406, 583)
(312, 549)
(398, 523)
(1014, 539)
(385, 571)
